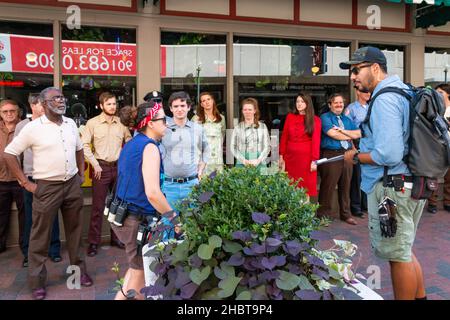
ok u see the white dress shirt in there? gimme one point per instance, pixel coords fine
(54, 148)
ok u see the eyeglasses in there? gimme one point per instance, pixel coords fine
(9, 111)
(357, 70)
(163, 119)
(56, 98)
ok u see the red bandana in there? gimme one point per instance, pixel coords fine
(150, 115)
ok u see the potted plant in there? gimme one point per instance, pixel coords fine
(249, 236)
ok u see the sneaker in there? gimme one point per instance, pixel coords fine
(432, 209)
(25, 262)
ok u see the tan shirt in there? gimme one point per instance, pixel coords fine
(53, 146)
(106, 139)
(6, 137)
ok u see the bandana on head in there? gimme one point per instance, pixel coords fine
(150, 115)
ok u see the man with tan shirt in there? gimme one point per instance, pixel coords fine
(58, 169)
(10, 189)
(106, 134)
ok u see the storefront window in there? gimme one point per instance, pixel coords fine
(394, 56)
(194, 63)
(26, 60)
(437, 66)
(274, 71)
(95, 60)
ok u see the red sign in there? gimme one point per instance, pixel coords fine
(35, 55)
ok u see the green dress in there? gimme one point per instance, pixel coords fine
(215, 133)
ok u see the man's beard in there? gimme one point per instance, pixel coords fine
(57, 110)
(108, 113)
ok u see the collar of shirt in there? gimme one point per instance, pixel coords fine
(4, 128)
(45, 120)
(102, 118)
(171, 123)
(386, 83)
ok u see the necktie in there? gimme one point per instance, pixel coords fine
(344, 143)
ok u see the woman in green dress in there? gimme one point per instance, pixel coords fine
(213, 123)
(250, 143)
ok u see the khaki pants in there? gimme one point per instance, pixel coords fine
(51, 196)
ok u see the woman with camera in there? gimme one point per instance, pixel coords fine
(140, 171)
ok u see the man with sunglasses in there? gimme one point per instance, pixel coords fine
(384, 145)
(102, 140)
(58, 169)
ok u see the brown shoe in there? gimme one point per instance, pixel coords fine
(85, 280)
(92, 250)
(39, 294)
(351, 221)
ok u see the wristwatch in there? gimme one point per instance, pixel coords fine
(355, 157)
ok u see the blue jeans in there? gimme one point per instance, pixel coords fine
(55, 243)
(175, 192)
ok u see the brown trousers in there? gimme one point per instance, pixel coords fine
(100, 188)
(331, 174)
(434, 197)
(51, 196)
(9, 192)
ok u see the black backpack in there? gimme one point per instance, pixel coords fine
(429, 140)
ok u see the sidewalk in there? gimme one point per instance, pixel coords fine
(432, 249)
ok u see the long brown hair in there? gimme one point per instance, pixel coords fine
(254, 103)
(309, 113)
(201, 111)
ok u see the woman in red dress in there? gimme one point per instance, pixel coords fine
(300, 144)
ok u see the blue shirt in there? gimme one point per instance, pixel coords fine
(329, 120)
(387, 140)
(356, 112)
(183, 149)
(130, 183)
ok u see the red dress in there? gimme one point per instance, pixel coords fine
(299, 149)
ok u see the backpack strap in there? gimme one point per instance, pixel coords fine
(403, 92)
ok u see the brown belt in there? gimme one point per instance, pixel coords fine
(107, 163)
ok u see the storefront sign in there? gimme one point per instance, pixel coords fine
(35, 55)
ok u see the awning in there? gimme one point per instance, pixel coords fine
(429, 12)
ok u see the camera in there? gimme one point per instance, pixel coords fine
(121, 214)
(108, 201)
(387, 210)
(113, 209)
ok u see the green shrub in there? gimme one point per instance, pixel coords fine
(238, 192)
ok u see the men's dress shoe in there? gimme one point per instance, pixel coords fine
(447, 207)
(92, 250)
(432, 209)
(25, 262)
(39, 294)
(56, 259)
(118, 244)
(351, 221)
(85, 280)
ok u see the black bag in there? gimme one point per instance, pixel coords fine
(428, 157)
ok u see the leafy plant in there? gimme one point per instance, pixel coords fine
(224, 203)
(130, 294)
(249, 236)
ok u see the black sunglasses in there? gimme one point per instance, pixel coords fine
(357, 70)
(163, 119)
